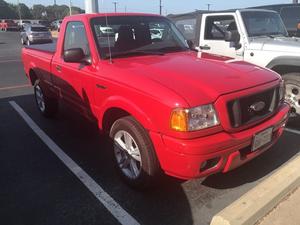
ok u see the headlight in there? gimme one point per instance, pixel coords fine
(193, 119)
(281, 91)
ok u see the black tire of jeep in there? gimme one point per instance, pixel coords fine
(294, 79)
(50, 104)
(150, 169)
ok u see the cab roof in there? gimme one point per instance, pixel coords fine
(95, 15)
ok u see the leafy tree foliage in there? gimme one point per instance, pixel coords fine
(24, 11)
(6, 11)
(38, 11)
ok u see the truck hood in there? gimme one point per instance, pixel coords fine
(278, 44)
(198, 78)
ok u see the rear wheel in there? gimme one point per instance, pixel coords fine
(134, 154)
(292, 93)
(47, 106)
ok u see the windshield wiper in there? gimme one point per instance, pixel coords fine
(270, 35)
(132, 53)
(172, 49)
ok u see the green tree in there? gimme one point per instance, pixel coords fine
(6, 11)
(38, 12)
(24, 11)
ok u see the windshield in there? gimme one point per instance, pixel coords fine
(136, 35)
(263, 23)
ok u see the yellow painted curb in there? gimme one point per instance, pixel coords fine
(256, 203)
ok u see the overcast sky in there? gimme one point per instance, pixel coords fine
(169, 6)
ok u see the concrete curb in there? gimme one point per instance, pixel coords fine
(259, 201)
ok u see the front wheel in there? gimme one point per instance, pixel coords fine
(134, 154)
(47, 106)
(292, 93)
(28, 43)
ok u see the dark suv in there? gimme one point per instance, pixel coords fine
(290, 14)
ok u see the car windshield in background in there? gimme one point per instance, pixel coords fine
(39, 29)
(136, 35)
(187, 27)
(263, 24)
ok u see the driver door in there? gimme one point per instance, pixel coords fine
(212, 38)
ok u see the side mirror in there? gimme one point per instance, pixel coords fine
(232, 36)
(190, 44)
(75, 55)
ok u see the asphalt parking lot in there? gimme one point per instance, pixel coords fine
(36, 187)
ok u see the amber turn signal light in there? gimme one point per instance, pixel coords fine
(179, 120)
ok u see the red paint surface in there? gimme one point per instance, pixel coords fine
(150, 87)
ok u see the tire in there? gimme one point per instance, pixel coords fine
(22, 41)
(28, 43)
(142, 154)
(292, 93)
(48, 107)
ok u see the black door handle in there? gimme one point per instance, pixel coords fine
(58, 68)
(205, 47)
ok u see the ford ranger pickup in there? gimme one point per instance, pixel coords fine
(165, 107)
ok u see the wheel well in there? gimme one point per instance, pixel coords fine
(110, 116)
(284, 69)
(33, 77)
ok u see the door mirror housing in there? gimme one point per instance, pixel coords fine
(76, 55)
(232, 36)
(190, 44)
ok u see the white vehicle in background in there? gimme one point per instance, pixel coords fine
(156, 33)
(55, 25)
(34, 34)
(253, 35)
(107, 30)
(23, 23)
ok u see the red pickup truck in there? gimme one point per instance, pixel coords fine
(165, 107)
(6, 25)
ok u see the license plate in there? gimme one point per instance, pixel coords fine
(262, 139)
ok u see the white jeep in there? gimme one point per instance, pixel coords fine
(254, 35)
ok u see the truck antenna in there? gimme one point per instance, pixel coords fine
(108, 39)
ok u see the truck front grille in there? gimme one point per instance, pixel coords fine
(249, 109)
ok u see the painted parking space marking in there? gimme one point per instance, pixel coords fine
(14, 87)
(109, 203)
(292, 131)
(11, 60)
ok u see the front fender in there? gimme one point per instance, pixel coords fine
(128, 106)
(284, 61)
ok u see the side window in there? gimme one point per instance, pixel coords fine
(216, 27)
(187, 28)
(75, 37)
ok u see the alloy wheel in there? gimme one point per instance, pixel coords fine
(292, 96)
(40, 98)
(127, 154)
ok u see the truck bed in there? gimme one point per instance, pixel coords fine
(49, 48)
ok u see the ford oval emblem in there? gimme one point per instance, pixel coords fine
(257, 106)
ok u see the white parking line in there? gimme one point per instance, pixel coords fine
(292, 131)
(12, 60)
(110, 204)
